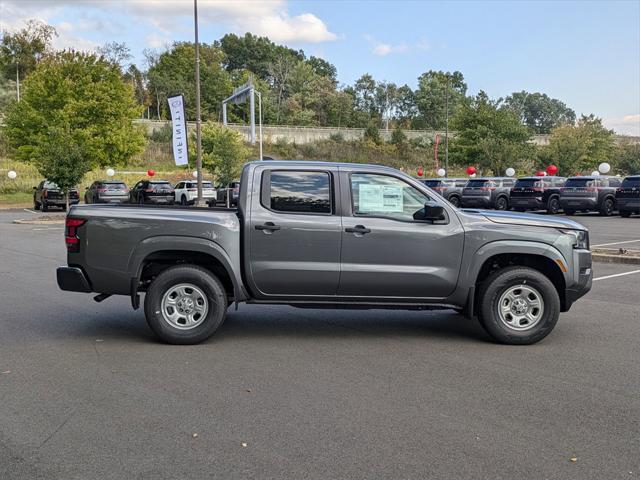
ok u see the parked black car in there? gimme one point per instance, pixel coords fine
(628, 196)
(47, 194)
(489, 192)
(592, 193)
(152, 191)
(107, 191)
(221, 193)
(449, 188)
(537, 193)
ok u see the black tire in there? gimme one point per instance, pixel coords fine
(183, 201)
(520, 209)
(140, 199)
(502, 203)
(36, 205)
(64, 208)
(200, 278)
(553, 205)
(606, 210)
(625, 213)
(498, 283)
(569, 212)
(44, 207)
(454, 200)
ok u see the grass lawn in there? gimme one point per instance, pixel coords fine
(16, 200)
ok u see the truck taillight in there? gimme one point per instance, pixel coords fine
(71, 233)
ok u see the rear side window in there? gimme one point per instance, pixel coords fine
(300, 192)
(631, 182)
(478, 183)
(614, 182)
(461, 183)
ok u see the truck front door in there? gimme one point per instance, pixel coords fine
(385, 252)
(294, 233)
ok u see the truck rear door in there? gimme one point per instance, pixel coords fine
(386, 254)
(294, 232)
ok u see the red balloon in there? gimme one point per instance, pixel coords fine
(552, 169)
(420, 171)
(471, 170)
(540, 174)
(151, 173)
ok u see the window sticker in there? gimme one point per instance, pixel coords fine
(380, 198)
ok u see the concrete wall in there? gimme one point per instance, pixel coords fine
(302, 135)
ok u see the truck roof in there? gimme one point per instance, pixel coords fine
(317, 163)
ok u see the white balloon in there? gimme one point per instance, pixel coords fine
(510, 172)
(195, 174)
(472, 175)
(11, 174)
(441, 172)
(604, 167)
(595, 173)
(110, 172)
(544, 174)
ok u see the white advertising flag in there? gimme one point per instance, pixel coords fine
(180, 149)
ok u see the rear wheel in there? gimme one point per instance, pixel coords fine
(454, 200)
(183, 201)
(185, 305)
(553, 206)
(606, 209)
(625, 213)
(502, 203)
(518, 306)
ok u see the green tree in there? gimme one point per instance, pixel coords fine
(627, 157)
(75, 115)
(540, 112)
(173, 72)
(223, 151)
(489, 136)
(431, 97)
(579, 148)
(117, 53)
(323, 68)
(23, 49)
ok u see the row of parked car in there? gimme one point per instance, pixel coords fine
(161, 192)
(604, 194)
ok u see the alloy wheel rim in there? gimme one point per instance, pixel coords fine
(520, 307)
(184, 306)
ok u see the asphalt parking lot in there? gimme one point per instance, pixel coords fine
(87, 392)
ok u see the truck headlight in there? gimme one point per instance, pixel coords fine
(580, 238)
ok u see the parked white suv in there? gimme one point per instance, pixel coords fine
(187, 192)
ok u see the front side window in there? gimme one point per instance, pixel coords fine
(384, 196)
(300, 192)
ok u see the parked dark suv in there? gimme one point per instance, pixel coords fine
(537, 193)
(593, 193)
(152, 191)
(107, 191)
(489, 192)
(221, 193)
(449, 188)
(47, 194)
(628, 196)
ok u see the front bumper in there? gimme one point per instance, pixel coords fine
(72, 279)
(582, 278)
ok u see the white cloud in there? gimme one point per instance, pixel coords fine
(382, 49)
(156, 41)
(625, 125)
(265, 17)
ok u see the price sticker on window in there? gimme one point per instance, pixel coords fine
(380, 198)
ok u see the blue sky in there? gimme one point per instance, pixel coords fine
(585, 53)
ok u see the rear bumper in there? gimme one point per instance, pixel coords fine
(60, 201)
(113, 199)
(632, 204)
(160, 200)
(578, 203)
(583, 278)
(72, 279)
(532, 203)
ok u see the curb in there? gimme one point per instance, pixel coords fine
(615, 258)
(26, 221)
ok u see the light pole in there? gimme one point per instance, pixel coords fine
(199, 201)
(446, 128)
(260, 119)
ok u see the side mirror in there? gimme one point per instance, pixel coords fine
(432, 211)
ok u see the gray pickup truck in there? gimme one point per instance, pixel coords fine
(327, 235)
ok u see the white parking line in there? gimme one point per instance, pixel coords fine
(48, 228)
(616, 275)
(30, 211)
(615, 243)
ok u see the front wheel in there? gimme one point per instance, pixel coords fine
(607, 208)
(502, 204)
(518, 306)
(185, 305)
(454, 200)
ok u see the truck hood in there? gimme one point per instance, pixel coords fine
(528, 219)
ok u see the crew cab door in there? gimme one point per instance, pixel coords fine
(385, 252)
(294, 233)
